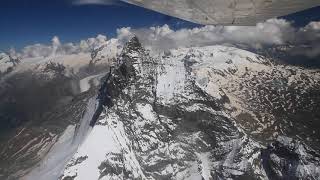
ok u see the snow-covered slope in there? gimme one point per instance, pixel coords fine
(106, 53)
(40, 97)
(265, 98)
(201, 113)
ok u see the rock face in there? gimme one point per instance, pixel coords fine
(288, 159)
(201, 113)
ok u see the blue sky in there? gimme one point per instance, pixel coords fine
(25, 22)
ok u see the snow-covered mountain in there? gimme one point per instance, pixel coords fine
(211, 112)
(202, 113)
(7, 63)
(101, 55)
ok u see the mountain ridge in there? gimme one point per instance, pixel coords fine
(149, 117)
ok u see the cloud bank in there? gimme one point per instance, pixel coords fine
(58, 48)
(272, 33)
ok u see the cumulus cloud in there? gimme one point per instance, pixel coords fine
(58, 48)
(36, 50)
(272, 33)
(307, 40)
(55, 44)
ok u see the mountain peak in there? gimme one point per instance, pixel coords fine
(134, 41)
(132, 45)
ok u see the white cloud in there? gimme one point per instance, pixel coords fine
(36, 50)
(57, 48)
(273, 32)
(55, 45)
(124, 34)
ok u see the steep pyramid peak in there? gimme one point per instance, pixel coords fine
(133, 53)
(132, 45)
(134, 41)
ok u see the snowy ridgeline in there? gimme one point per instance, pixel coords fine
(80, 64)
(180, 116)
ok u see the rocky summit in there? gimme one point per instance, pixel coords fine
(210, 112)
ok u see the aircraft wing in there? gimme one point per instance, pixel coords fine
(226, 12)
